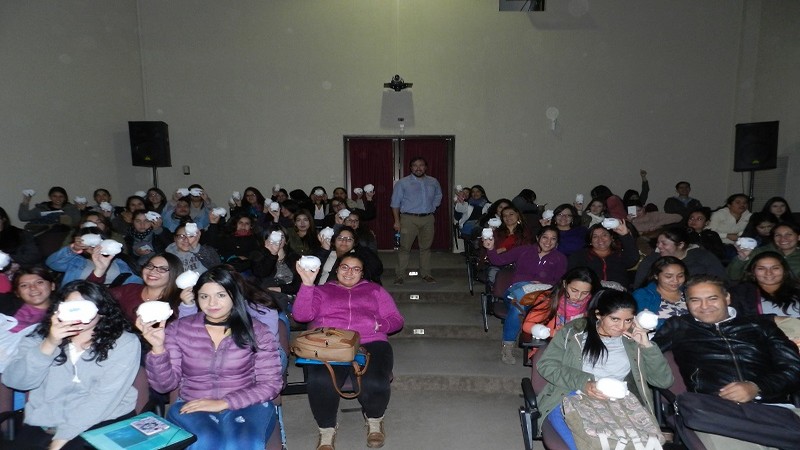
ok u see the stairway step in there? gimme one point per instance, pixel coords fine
(467, 365)
(443, 320)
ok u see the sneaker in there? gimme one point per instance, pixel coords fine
(326, 437)
(429, 279)
(375, 434)
(398, 280)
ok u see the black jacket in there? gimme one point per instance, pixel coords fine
(738, 349)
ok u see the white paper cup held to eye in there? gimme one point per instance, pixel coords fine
(183, 192)
(191, 229)
(219, 212)
(28, 192)
(369, 188)
(276, 237)
(358, 191)
(187, 279)
(196, 192)
(494, 222)
(107, 207)
(274, 206)
(91, 240)
(276, 188)
(319, 192)
(547, 214)
(142, 194)
(746, 243)
(77, 310)
(236, 195)
(110, 247)
(80, 200)
(487, 233)
(152, 216)
(579, 199)
(344, 214)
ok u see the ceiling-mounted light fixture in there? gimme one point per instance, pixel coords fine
(397, 84)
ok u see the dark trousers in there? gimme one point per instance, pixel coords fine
(31, 437)
(375, 386)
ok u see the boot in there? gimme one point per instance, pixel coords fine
(375, 434)
(326, 437)
(506, 355)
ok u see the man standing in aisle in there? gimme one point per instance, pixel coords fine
(414, 200)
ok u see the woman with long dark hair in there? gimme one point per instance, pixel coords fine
(251, 204)
(159, 273)
(607, 343)
(225, 401)
(779, 207)
(662, 290)
(609, 252)
(566, 301)
(79, 373)
(784, 240)
(768, 287)
(33, 289)
(572, 233)
(674, 241)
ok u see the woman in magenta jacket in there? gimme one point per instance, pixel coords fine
(355, 304)
(226, 365)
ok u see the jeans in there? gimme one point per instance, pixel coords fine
(375, 386)
(513, 320)
(241, 429)
(556, 419)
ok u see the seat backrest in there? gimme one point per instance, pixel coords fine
(537, 381)
(678, 386)
(503, 280)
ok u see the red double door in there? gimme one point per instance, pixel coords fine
(382, 161)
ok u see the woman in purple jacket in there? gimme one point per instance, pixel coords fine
(351, 303)
(226, 365)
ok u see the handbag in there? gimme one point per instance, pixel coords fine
(329, 345)
(769, 425)
(611, 424)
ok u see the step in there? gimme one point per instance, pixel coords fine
(418, 420)
(466, 365)
(443, 320)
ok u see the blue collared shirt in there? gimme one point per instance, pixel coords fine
(417, 195)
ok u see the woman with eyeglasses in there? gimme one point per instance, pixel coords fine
(354, 303)
(194, 255)
(302, 237)
(158, 272)
(344, 242)
(366, 237)
(572, 235)
(155, 200)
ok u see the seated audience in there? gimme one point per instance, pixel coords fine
(731, 220)
(54, 212)
(78, 376)
(572, 235)
(647, 223)
(225, 402)
(251, 205)
(764, 368)
(145, 238)
(614, 205)
(525, 202)
(18, 243)
(594, 213)
(319, 200)
(274, 265)
(193, 255)
(470, 209)
(366, 237)
(674, 241)
(302, 237)
(235, 241)
(785, 241)
(495, 211)
(682, 204)
(180, 211)
(701, 236)
(768, 287)
(122, 221)
(608, 254)
(633, 196)
(33, 289)
(661, 291)
(354, 303)
(779, 207)
(75, 261)
(759, 227)
(156, 200)
(340, 194)
(158, 274)
(539, 263)
(100, 196)
(606, 343)
(345, 241)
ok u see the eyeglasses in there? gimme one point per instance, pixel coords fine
(344, 239)
(183, 237)
(346, 268)
(349, 220)
(159, 269)
(568, 216)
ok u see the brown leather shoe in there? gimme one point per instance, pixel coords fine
(376, 436)
(429, 279)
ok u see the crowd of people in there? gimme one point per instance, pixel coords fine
(582, 269)
(221, 354)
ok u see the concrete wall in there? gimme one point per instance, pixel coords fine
(262, 92)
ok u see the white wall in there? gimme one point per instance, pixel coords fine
(71, 78)
(261, 92)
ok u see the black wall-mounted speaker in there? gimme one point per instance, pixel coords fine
(756, 146)
(149, 144)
